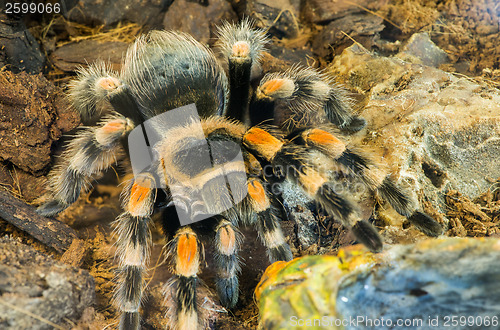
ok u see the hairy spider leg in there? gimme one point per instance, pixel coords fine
(93, 150)
(339, 112)
(88, 93)
(302, 96)
(133, 247)
(325, 141)
(185, 252)
(227, 245)
(242, 46)
(293, 162)
(270, 90)
(404, 205)
(267, 222)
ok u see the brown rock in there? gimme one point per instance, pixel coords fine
(273, 64)
(30, 120)
(292, 56)
(279, 17)
(197, 19)
(338, 34)
(69, 57)
(321, 11)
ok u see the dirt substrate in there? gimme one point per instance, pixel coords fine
(468, 31)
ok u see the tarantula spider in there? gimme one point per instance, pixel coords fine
(168, 70)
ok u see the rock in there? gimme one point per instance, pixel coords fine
(198, 20)
(421, 47)
(418, 281)
(280, 17)
(425, 280)
(273, 64)
(438, 132)
(322, 12)
(338, 34)
(25, 185)
(33, 283)
(71, 56)
(33, 115)
(96, 12)
(19, 50)
(292, 56)
(77, 253)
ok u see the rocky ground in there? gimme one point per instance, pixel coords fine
(423, 73)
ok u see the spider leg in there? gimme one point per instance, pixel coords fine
(317, 186)
(404, 205)
(267, 222)
(304, 95)
(296, 163)
(242, 46)
(273, 87)
(93, 150)
(338, 111)
(133, 247)
(374, 178)
(227, 245)
(186, 253)
(88, 93)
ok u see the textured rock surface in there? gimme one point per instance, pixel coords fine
(421, 47)
(71, 56)
(197, 19)
(338, 34)
(281, 17)
(418, 281)
(437, 131)
(33, 114)
(19, 49)
(428, 279)
(96, 12)
(32, 283)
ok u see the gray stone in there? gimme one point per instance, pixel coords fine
(32, 283)
(421, 47)
(422, 281)
(427, 281)
(436, 131)
(19, 50)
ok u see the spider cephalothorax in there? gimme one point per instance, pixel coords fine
(166, 70)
